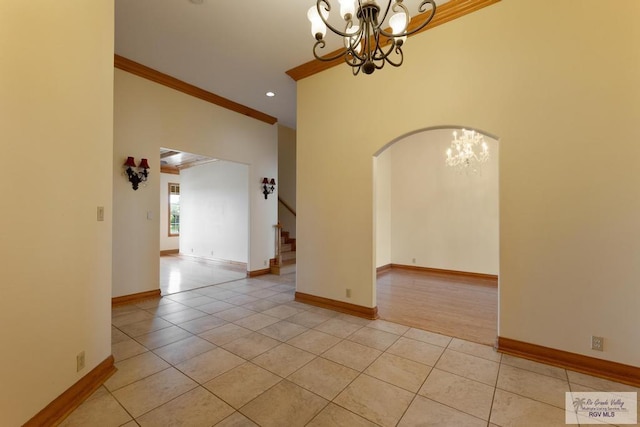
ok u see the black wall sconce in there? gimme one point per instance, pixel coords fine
(136, 177)
(268, 186)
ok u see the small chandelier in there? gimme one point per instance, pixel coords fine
(468, 150)
(365, 40)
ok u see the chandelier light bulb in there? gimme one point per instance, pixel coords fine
(318, 27)
(398, 22)
(347, 9)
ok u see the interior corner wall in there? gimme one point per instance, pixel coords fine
(382, 210)
(167, 242)
(560, 91)
(287, 177)
(442, 217)
(214, 211)
(148, 116)
(56, 117)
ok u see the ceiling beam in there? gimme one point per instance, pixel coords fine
(143, 71)
(169, 154)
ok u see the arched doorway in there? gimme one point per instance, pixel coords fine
(437, 236)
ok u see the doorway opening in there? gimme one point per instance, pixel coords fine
(437, 237)
(204, 238)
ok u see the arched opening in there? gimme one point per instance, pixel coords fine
(437, 236)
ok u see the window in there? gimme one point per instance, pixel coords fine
(174, 209)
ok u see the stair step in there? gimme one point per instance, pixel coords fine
(288, 255)
(286, 247)
(283, 269)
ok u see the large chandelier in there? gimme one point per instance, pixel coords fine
(367, 45)
(468, 150)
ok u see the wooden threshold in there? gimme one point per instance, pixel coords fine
(613, 371)
(493, 278)
(169, 252)
(134, 298)
(341, 306)
(55, 412)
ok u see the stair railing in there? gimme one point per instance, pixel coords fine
(286, 205)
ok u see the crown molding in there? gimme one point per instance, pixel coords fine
(145, 72)
(445, 13)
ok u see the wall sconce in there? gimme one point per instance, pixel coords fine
(268, 186)
(135, 177)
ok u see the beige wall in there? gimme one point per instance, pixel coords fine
(56, 121)
(287, 177)
(559, 88)
(382, 207)
(148, 116)
(214, 211)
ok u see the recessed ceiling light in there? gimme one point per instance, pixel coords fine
(270, 94)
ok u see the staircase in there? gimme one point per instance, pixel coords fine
(287, 256)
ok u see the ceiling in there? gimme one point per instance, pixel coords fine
(238, 49)
(172, 161)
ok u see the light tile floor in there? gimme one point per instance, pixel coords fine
(181, 273)
(244, 353)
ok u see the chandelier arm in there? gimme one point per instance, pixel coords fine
(355, 55)
(327, 7)
(421, 9)
(354, 59)
(321, 44)
(398, 51)
(385, 56)
(395, 8)
(354, 42)
(379, 52)
(386, 12)
(355, 67)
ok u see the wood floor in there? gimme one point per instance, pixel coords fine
(452, 305)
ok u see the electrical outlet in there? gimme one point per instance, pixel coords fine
(265, 262)
(413, 260)
(348, 293)
(597, 343)
(80, 361)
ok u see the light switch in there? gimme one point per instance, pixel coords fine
(149, 215)
(100, 213)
